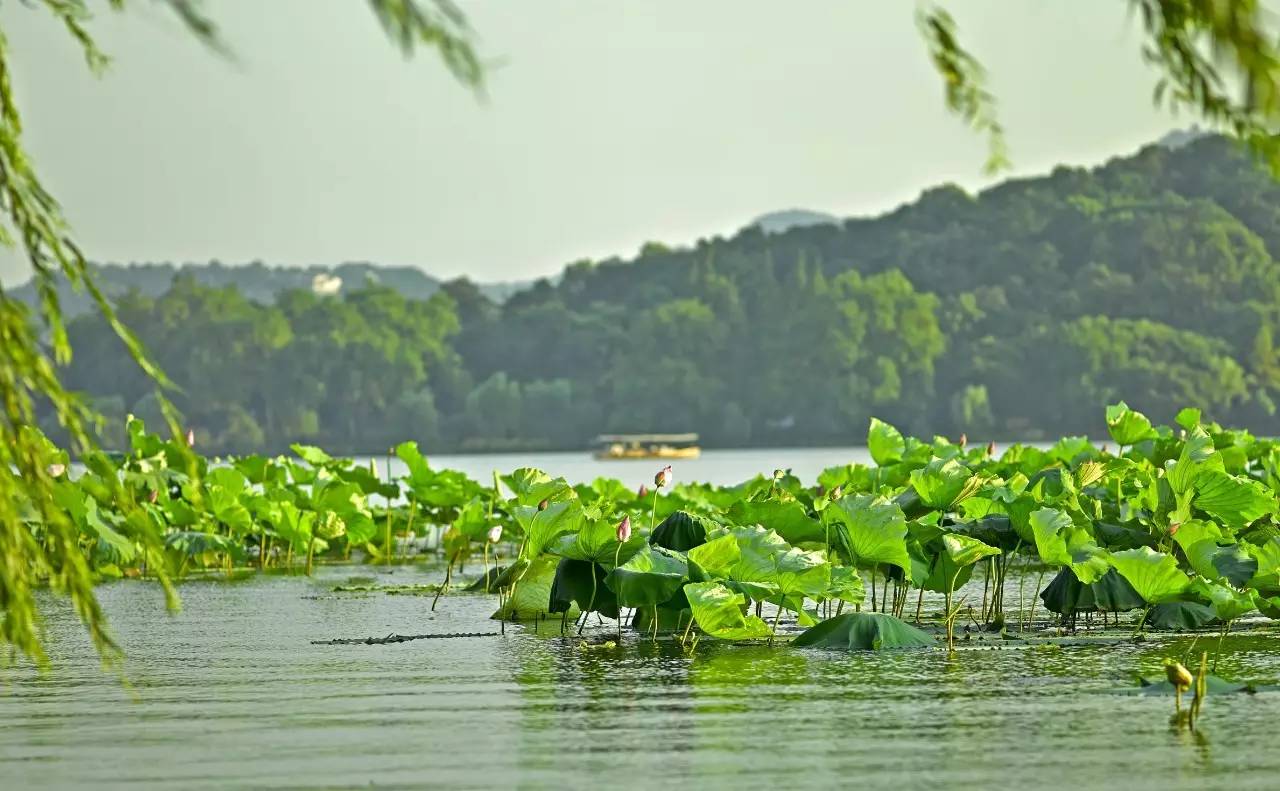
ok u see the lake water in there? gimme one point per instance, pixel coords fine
(232, 694)
(720, 467)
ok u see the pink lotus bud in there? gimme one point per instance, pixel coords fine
(991, 448)
(964, 440)
(191, 438)
(624, 529)
(642, 492)
(495, 534)
(56, 470)
(663, 478)
(542, 506)
(1173, 528)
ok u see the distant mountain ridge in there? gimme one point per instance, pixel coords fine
(257, 281)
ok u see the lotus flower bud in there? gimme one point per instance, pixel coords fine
(991, 448)
(154, 496)
(836, 492)
(642, 492)
(624, 529)
(542, 506)
(56, 470)
(1173, 528)
(191, 438)
(495, 534)
(964, 440)
(663, 478)
(778, 475)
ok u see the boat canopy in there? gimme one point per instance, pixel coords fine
(605, 439)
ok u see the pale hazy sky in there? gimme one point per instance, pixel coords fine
(607, 123)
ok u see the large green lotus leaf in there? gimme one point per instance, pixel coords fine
(596, 541)
(542, 526)
(869, 530)
(294, 525)
(225, 506)
(1154, 575)
(965, 551)
(531, 486)
(1089, 562)
(789, 520)
(1231, 563)
(1197, 457)
(228, 478)
(1180, 615)
(768, 560)
(1194, 531)
(1267, 556)
(350, 504)
(864, 631)
(1234, 500)
(1128, 427)
(1049, 527)
(940, 482)
(719, 612)
(113, 546)
(682, 531)
(473, 520)
(531, 597)
(885, 443)
(650, 578)
(717, 557)
(944, 575)
(1227, 602)
(572, 586)
(846, 585)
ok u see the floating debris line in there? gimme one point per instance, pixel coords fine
(401, 638)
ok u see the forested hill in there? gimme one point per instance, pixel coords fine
(1020, 310)
(256, 280)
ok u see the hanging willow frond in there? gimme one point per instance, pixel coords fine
(39, 545)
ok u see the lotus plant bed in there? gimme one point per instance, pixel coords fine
(936, 544)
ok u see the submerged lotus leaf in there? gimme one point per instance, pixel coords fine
(1232, 499)
(1128, 427)
(650, 578)
(1160, 686)
(788, 519)
(719, 612)
(940, 482)
(864, 631)
(1154, 575)
(869, 530)
(885, 443)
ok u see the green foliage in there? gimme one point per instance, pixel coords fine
(864, 631)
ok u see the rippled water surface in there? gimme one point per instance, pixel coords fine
(231, 693)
